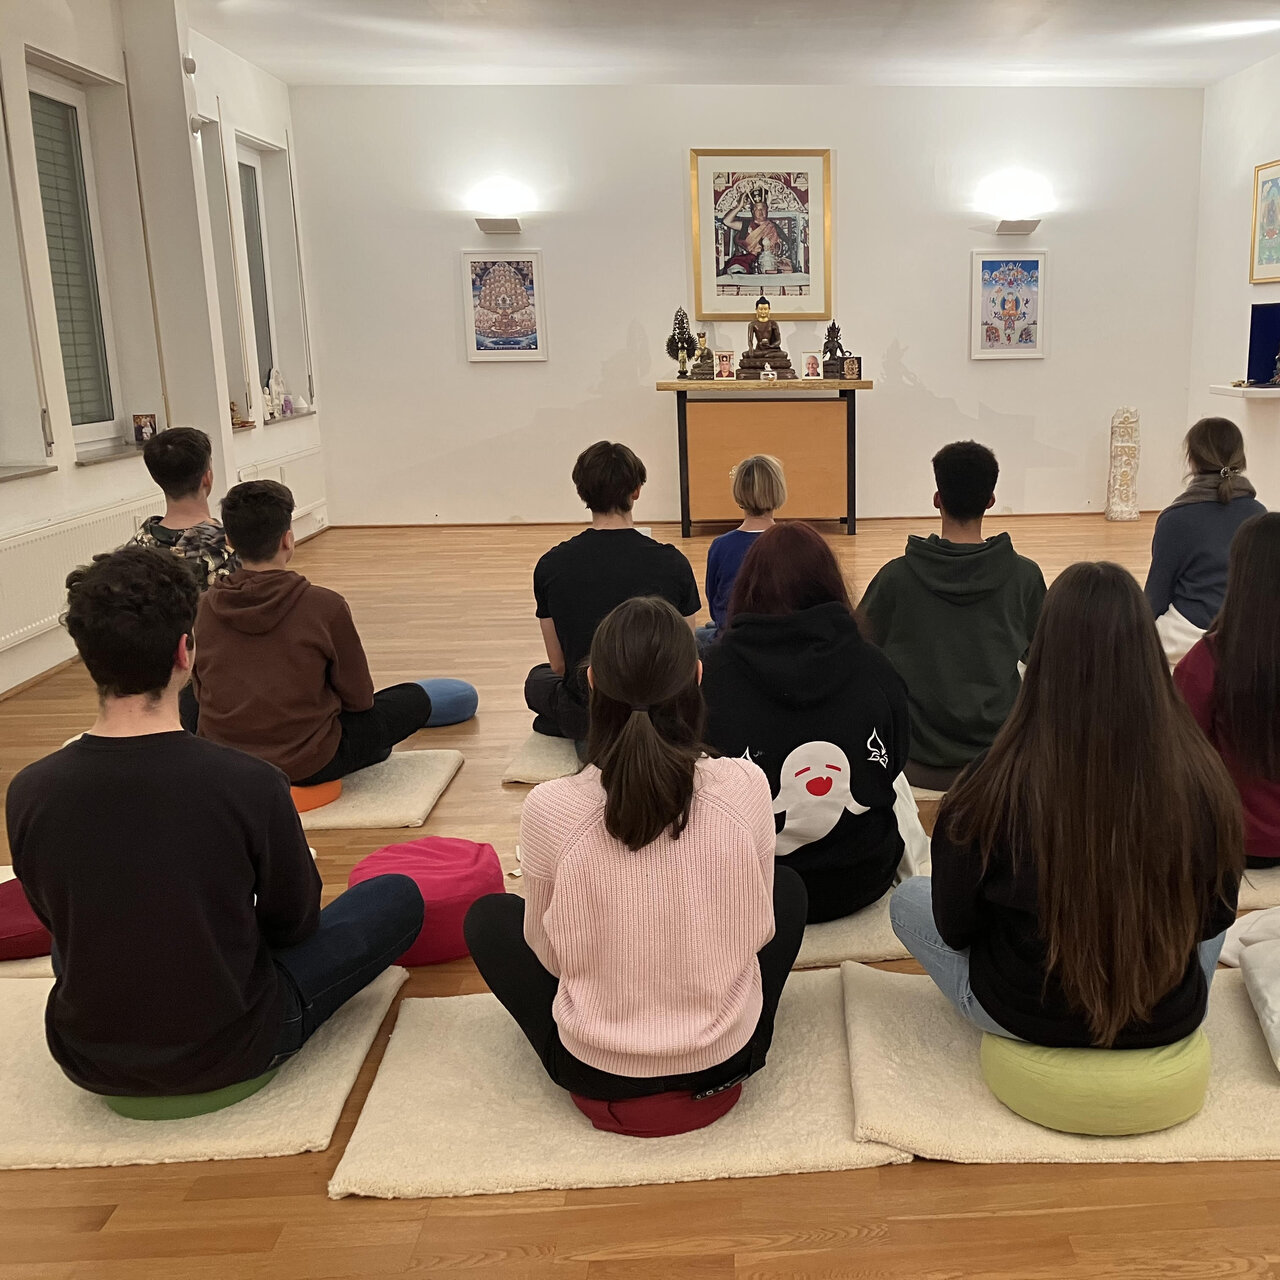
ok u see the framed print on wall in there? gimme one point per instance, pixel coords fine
(502, 305)
(761, 224)
(1264, 256)
(1007, 316)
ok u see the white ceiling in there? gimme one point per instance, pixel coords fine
(945, 42)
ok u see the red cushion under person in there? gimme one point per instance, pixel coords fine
(21, 934)
(663, 1115)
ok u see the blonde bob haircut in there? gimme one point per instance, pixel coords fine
(759, 487)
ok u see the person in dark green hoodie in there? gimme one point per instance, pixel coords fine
(955, 615)
(793, 687)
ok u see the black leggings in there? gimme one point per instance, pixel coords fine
(494, 931)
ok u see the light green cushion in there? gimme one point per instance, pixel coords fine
(183, 1106)
(1107, 1092)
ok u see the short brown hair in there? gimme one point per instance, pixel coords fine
(759, 486)
(177, 460)
(256, 515)
(606, 475)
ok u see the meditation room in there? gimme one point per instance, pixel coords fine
(639, 641)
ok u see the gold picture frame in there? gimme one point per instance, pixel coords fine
(1265, 272)
(725, 286)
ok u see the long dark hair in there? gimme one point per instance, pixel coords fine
(647, 719)
(1215, 447)
(789, 567)
(1246, 644)
(1101, 776)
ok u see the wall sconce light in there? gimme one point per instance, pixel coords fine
(1016, 197)
(499, 202)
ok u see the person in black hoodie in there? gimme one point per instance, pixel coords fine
(955, 615)
(792, 686)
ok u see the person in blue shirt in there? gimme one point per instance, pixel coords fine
(759, 488)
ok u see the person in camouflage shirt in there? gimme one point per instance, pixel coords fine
(179, 461)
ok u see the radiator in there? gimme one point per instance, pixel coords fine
(34, 566)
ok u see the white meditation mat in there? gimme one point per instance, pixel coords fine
(36, 966)
(46, 1122)
(399, 792)
(543, 759)
(1259, 889)
(865, 935)
(461, 1106)
(917, 1085)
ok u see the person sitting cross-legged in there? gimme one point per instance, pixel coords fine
(280, 671)
(189, 946)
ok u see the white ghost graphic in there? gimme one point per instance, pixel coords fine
(813, 791)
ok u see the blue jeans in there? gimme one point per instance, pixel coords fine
(360, 934)
(452, 701)
(911, 913)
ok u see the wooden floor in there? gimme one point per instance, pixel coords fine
(459, 602)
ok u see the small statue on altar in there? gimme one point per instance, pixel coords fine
(833, 353)
(702, 366)
(1275, 379)
(764, 346)
(680, 345)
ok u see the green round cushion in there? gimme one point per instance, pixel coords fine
(182, 1106)
(1106, 1092)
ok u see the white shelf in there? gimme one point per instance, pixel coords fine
(1246, 393)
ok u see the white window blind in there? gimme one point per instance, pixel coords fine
(64, 197)
(257, 270)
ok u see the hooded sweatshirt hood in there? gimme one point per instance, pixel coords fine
(961, 572)
(254, 602)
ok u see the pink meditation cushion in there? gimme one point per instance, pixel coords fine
(451, 875)
(21, 934)
(662, 1115)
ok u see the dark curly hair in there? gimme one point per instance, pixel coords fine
(256, 515)
(126, 613)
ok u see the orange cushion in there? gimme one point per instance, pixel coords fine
(308, 798)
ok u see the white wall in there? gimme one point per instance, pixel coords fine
(416, 434)
(1241, 130)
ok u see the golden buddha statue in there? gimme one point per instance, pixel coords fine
(764, 346)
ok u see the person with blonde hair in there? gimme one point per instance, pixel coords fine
(759, 489)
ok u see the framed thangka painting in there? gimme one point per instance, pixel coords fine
(1007, 320)
(1264, 261)
(761, 225)
(503, 305)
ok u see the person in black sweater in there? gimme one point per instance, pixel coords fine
(1086, 867)
(792, 686)
(189, 947)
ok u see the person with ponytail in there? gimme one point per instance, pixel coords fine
(655, 936)
(1086, 868)
(1188, 575)
(1231, 682)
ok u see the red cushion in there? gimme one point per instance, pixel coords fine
(661, 1116)
(451, 874)
(21, 934)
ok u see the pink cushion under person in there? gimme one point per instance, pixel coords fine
(451, 874)
(21, 934)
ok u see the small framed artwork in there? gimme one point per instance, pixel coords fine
(1007, 316)
(811, 364)
(853, 368)
(761, 225)
(1264, 258)
(503, 305)
(144, 427)
(725, 365)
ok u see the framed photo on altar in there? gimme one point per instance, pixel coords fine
(1007, 317)
(761, 225)
(504, 316)
(1264, 256)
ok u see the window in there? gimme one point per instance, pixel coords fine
(256, 251)
(70, 212)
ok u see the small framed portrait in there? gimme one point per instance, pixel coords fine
(144, 427)
(503, 308)
(1264, 259)
(725, 365)
(811, 364)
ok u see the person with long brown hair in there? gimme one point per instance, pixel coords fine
(1086, 868)
(1231, 682)
(651, 948)
(1188, 575)
(792, 685)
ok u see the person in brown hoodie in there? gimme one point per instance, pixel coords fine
(280, 671)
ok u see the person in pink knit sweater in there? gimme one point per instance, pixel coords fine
(657, 934)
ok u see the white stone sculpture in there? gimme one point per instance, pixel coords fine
(1122, 483)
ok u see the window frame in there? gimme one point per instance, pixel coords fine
(252, 157)
(72, 95)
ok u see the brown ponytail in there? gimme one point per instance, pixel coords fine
(646, 719)
(1215, 447)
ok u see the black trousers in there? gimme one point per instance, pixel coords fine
(932, 777)
(1255, 863)
(368, 736)
(558, 713)
(494, 930)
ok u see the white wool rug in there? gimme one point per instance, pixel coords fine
(46, 1122)
(36, 966)
(399, 792)
(461, 1106)
(1260, 889)
(865, 935)
(917, 1085)
(543, 759)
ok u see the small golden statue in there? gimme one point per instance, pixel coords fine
(764, 346)
(703, 365)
